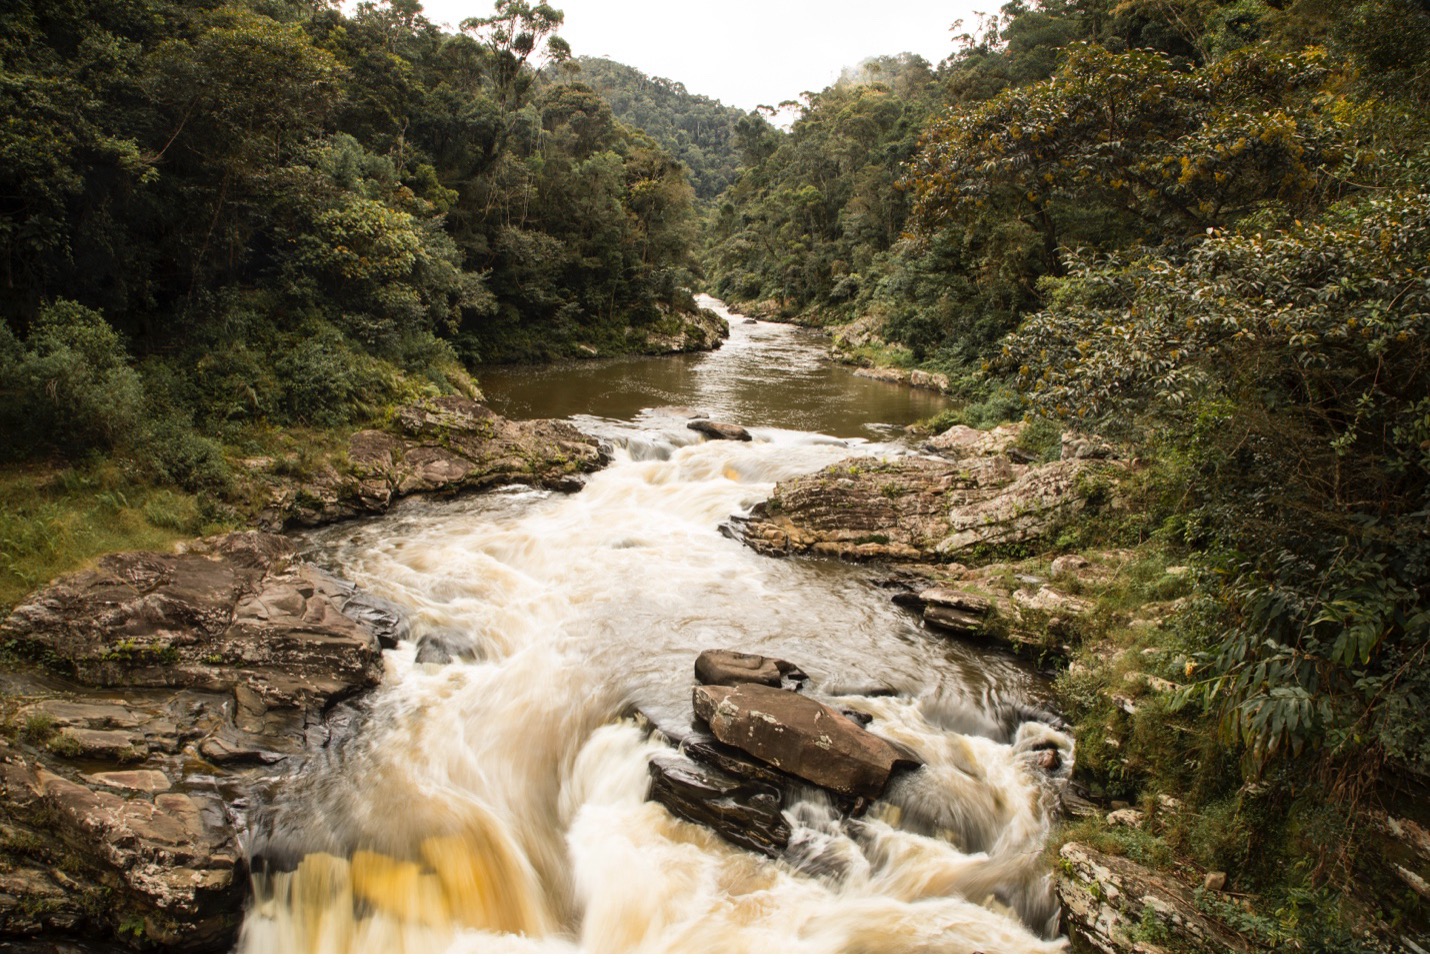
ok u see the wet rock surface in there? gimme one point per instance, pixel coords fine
(173, 686)
(756, 746)
(446, 445)
(747, 813)
(720, 431)
(800, 736)
(722, 667)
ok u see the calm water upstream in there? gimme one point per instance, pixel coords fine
(497, 803)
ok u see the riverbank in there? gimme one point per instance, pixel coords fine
(145, 702)
(203, 674)
(1171, 838)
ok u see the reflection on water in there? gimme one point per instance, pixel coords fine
(766, 374)
(497, 802)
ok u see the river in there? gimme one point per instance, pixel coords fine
(498, 802)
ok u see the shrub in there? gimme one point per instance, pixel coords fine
(69, 386)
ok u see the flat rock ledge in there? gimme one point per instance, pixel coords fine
(171, 686)
(447, 445)
(969, 499)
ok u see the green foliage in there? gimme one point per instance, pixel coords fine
(698, 131)
(69, 386)
(814, 209)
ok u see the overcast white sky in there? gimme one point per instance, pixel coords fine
(747, 52)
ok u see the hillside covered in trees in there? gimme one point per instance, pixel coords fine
(1200, 228)
(215, 214)
(698, 131)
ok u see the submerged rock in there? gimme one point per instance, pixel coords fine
(957, 611)
(800, 736)
(720, 431)
(723, 667)
(170, 681)
(745, 813)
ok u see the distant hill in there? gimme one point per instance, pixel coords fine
(699, 131)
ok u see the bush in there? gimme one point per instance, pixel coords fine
(69, 387)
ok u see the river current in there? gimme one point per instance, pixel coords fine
(498, 802)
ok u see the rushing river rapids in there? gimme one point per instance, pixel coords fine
(499, 802)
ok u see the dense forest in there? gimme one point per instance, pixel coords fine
(1198, 228)
(220, 214)
(698, 131)
(1201, 228)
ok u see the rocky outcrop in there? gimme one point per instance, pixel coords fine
(720, 431)
(446, 445)
(683, 331)
(918, 379)
(723, 667)
(172, 684)
(745, 812)
(758, 745)
(800, 736)
(1112, 904)
(923, 508)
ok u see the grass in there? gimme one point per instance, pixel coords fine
(59, 519)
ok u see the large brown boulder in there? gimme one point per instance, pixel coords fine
(720, 431)
(171, 684)
(449, 444)
(724, 667)
(801, 737)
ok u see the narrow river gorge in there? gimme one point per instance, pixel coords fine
(498, 801)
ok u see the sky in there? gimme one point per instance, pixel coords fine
(747, 52)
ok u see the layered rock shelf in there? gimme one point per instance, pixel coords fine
(171, 686)
(974, 494)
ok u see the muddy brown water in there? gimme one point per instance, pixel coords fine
(498, 802)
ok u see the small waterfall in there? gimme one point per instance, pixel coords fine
(497, 802)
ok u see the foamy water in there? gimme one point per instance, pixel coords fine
(498, 803)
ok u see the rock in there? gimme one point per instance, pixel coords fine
(744, 813)
(722, 667)
(1068, 566)
(720, 431)
(1214, 882)
(443, 647)
(189, 668)
(448, 444)
(1127, 818)
(1081, 446)
(920, 379)
(919, 509)
(1027, 509)
(800, 736)
(882, 374)
(1047, 600)
(964, 442)
(957, 611)
(139, 780)
(1105, 899)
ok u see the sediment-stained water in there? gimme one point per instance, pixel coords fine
(498, 801)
